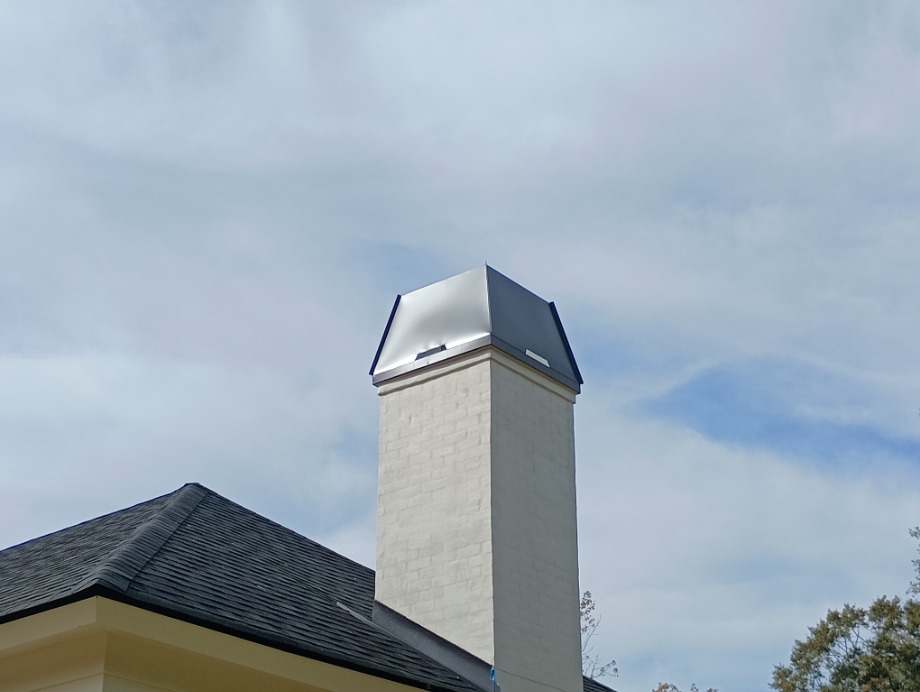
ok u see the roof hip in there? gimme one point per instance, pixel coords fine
(123, 565)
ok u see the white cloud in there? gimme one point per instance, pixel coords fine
(205, 216)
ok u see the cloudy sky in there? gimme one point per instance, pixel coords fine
(207, 209)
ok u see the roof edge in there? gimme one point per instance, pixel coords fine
(448, 654)
(218, 624)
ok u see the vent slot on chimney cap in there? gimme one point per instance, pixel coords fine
(431, 352)
(537, 357)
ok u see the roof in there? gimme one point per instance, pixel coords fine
(199, 557)
(480, 307)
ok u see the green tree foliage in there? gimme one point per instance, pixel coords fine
(668, 687)
(915, 584)
(591, 665)
(874, 649)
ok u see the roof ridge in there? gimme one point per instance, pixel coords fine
(86, 522)
(287, 529)
(126, 562)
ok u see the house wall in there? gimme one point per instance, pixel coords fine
(98, 645)
(64, 664)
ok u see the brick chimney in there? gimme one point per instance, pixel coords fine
(476, 517)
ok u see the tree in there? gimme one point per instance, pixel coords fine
(874, 649)
(591, 666)
(915, 584)
(669, 687)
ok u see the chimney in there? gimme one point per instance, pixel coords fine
(476, 525)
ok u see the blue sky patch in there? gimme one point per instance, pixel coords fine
(760, 404)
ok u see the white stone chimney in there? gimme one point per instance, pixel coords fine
(476, 517)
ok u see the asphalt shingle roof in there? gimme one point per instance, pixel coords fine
(195, 555)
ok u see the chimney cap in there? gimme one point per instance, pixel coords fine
(480, 307)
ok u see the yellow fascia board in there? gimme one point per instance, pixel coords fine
(128, 628)
(63, 621)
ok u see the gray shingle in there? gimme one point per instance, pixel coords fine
(197, 556)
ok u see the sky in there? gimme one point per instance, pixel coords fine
(207, 210)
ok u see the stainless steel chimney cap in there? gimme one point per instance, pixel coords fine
(477, 308)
